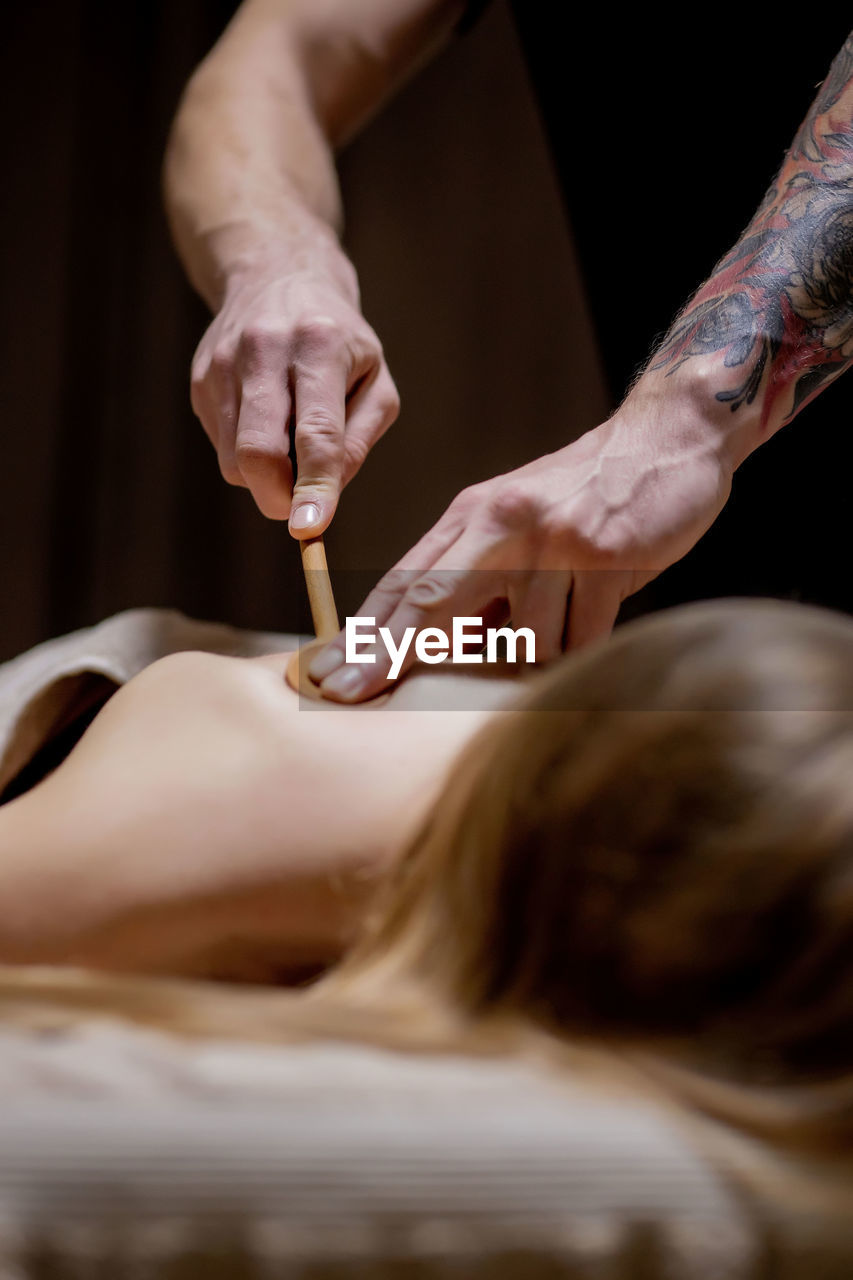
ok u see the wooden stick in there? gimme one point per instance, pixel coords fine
(325, 618)
(323, 612)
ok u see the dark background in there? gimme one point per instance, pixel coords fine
(109, 492)
(667, 132)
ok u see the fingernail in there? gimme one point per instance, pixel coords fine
(305, 517)
(344, 683)
(325, 662)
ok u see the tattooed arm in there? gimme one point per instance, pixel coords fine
(779, 306)
(600, 518)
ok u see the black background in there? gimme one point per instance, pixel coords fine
(667, 128)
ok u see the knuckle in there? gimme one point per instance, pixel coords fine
(320, 445)
(516, 508)
(431, 590)
(596, 545)
(467, 500)
(258, 341)
(222, 363)
(370, 349)
(318, 333)
(609, 547)
(255, 454)
(321, 423)
(199, 370)
(393, 583)
(555, 530)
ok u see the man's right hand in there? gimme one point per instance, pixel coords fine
(255, 211)
(290, 348)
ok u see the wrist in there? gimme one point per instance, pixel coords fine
(685, 404)
(244, 253)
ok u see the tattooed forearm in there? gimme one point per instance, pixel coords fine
(779, 306)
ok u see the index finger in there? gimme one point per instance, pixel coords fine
(319, 408)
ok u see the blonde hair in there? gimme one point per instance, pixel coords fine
(651, 853)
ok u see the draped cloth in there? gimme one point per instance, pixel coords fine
(49, 688)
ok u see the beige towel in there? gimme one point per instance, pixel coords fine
(49, 686)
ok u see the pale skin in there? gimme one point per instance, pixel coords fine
(561, 542)
(255, 210)
(209, 824)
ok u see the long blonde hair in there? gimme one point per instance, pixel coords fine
(651, 852)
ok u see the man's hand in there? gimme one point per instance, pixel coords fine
(769, 329)
(291, 349)
(562, 541)
(255, 210)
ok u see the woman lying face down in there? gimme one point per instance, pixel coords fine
(211, 823)
(649, 849)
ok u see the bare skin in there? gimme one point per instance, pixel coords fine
(209, 823)
(566, 538)
(255, 209)
(594, 522)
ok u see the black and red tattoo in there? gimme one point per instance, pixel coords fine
(780, 304)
